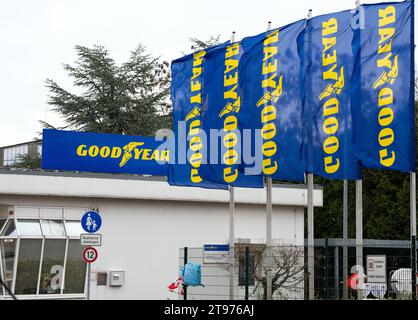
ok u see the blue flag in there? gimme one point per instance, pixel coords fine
(186, 96)
(220, 118)
(383, 94)
(326, 52)
(271, 103)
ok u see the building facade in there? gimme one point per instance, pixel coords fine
(145, 225)
(10, 154)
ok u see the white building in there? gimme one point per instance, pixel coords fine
(145, 223)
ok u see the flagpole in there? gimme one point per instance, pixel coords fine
(269, 237)
(231, 230)
(345, 239)
(311, 238)
(359, 224)
(231, 241)
(412, 177)
(413, 208)
(359, 233)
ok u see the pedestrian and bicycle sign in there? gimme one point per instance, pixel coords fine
(90, 255)
(91, 222)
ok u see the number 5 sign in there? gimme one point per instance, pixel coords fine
(90, 254)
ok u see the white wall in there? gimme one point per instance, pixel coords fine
(109, 187)
(143, 237)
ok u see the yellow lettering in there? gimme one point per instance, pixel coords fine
(385, 116)
(81, 150)
(385, 61)
(331, 166)
(116, 153)
(386, 137)
(232, 50)
(331, 107)
(268, 167)
(385, 159)
(93, 151)
(387, 16)
(270, 82)
(331, 145)
(330, 125)
(268, 131)
(194, 176)
(329, 27)
(385, 97)
(230, 175)
(269, 148)
(104, 152)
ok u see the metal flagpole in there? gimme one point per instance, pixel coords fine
(231, 230)
(413, 208)
(311, 239)
(269, 241)
(359, 224)
(345, 240)
(412, 177)
(359, 234)
(231, 241)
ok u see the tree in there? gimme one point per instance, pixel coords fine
(27, 161)
(288, 267)
(287, 272)
(198, 44)
(128, 99)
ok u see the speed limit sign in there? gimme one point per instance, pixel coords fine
(90, 254)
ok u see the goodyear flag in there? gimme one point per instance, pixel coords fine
(271, 103)
(98, 152)
(384, 87)
(186, 96)
(327, 62)
(220, 118)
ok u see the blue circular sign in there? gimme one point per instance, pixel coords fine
(91, 222)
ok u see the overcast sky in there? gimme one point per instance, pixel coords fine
(38, 36)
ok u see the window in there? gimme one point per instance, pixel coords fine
(10, 229)
(53, 228)
(29, 228)
(38, 255)
(28, 266)
(11, 154)
(73, 228)
(2, 223)
(75, 269)
(8, 247)
(52, 267)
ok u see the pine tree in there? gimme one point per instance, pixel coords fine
(131, 98)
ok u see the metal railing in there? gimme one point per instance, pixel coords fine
(289, 269)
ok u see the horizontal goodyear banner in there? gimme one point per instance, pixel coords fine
(98, 152)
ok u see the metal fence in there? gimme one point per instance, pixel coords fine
(336, 276)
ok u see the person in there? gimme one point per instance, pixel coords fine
(89, 222)
(94, 225)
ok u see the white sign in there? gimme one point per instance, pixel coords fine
(376, 269)
(216, 253)
(91, 239)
